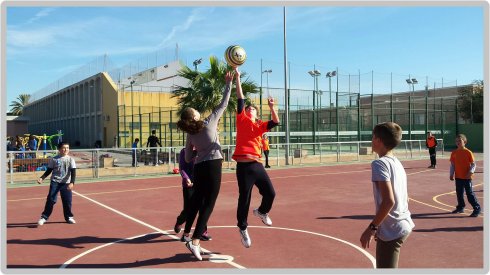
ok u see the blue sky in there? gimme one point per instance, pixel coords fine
(433, 44)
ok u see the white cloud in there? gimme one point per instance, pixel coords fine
(42, 13)
(196, 16)
(205, 29)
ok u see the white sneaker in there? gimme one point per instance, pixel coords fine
(195, 250)
(264, 217)
(71, 220)
(246, 241)
(41, 221)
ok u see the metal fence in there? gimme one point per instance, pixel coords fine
(110, 162)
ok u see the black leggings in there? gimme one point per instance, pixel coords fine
(249, 174)
(207, 182)
(432, 153)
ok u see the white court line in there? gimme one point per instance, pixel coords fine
(64, 265)
(369, 256)
(147, 225)
(164, 232)
(363, 251)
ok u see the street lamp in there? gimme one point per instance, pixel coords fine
(315, 74)
(330, 75)
(264, 72)
(196, 62)
(410, 81)
(132, 109)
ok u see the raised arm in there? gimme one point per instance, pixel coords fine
(239, 92)
(219, 110)
(274, 115)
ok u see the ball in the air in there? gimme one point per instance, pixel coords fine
(235, 55)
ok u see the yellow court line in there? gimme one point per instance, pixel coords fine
(230, 181)
(448, 193)
(430, 205)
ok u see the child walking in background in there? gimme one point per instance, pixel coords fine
(62, 181)
(186, 170)
(392, 223)
(249, 169)
(463, 167)
(431, 144)
(265, 148)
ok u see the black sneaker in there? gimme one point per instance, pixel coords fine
(177, 228)
(475, 213)
(206, 237)
(458, 211)
(185, 238)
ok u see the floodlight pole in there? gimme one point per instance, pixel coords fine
(132, 110)
(286, 90)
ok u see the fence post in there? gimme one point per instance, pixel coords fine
(320, 152)
(338, 152)
(420, 148)
(11, 161)
(358, 149)
(169, 158)
(277, 155)
(97, 164)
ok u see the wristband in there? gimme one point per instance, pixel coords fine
(373, 227)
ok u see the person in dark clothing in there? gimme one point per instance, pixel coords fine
(202, 136)
(134, 152)
(152, 142)
(186, 170)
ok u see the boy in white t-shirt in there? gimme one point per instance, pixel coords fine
(62, 181)
(392, 223)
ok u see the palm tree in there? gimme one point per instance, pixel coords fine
(205, 89)
(18, 105)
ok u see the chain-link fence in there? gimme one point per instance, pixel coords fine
(142, 161)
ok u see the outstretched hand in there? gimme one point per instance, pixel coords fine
(270, 102)
(237, 72)
(228, 76)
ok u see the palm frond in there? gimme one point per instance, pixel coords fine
(18, 105)
(206, 88)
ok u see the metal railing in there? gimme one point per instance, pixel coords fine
(107, 162)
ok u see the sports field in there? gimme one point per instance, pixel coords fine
(318, 217)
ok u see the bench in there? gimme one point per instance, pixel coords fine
(300, 153)
(365, 151)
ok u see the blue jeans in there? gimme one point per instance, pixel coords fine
(66, 196)
(463, 185)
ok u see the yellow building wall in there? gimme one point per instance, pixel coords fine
(109, 110)
(161, 107)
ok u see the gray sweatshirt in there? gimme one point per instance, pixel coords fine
(207, 140)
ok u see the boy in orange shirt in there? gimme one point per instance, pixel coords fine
(463, 167)
(249, 170)
(431, 144)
